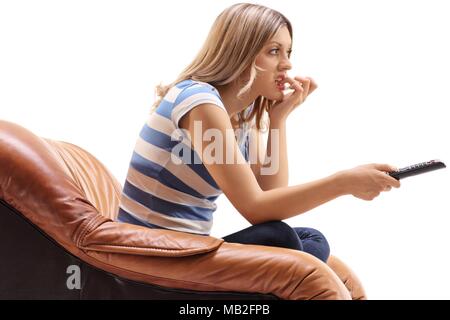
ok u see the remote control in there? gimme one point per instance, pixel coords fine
(417, 169)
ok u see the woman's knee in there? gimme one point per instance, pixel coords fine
(314, 242)
(312, 234)
(280, 234)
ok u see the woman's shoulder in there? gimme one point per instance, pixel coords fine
(188, 88)
(194, 84)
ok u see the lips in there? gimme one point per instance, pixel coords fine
(279, 82)
(280, 86)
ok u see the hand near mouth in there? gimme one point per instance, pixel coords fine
(302, 87)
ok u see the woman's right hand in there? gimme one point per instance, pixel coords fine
(368, 181)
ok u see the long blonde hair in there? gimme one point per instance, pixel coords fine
(235, 39)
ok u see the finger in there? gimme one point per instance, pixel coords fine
(392, 181)
(313, 85)
(395, 183)
(384, 167)
(306, 83)
(290, 81)
(298, 94)
(373, 195)
(293, 84)
(297, 86)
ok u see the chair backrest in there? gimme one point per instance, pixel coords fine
(99, 186)
(92, 181)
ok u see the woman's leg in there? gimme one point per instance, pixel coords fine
(272, 233)
(280, 234)
(314, 242)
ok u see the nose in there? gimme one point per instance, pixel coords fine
(285, 64)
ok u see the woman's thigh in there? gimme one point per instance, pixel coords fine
(272, 233)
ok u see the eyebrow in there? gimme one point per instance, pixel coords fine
(279, 44)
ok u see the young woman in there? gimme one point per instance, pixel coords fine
(238, 78)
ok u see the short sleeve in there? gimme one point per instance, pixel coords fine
(192, 96)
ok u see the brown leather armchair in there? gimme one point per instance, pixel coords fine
(57, 210)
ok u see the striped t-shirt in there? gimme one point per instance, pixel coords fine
(161, 193)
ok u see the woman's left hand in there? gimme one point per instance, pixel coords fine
(302, 87)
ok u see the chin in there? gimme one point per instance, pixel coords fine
(275, 97)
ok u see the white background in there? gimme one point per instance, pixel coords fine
(85, 71)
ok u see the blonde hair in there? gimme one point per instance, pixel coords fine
(235, 39)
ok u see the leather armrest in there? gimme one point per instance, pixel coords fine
(130, 239)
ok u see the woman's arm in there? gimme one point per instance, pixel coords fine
(269, 151)
(239, 184)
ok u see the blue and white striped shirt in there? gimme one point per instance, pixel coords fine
(159, 193)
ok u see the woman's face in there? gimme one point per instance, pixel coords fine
(274, 59)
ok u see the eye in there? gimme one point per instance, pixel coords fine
(274, 49)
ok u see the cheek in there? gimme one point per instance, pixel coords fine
(263, 81)
(265, 61)
(269, 67)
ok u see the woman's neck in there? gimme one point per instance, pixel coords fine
(229, 92)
